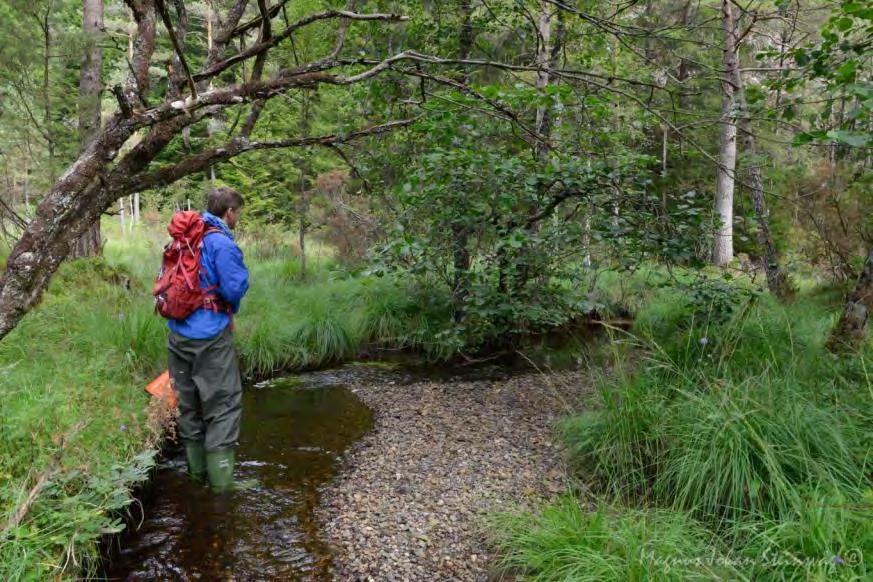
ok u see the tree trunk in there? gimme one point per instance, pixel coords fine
(90, 87)
(543, 121)
(48, 123)
(851, 329)
(467, 37)
(461, 257)
(302, 234)
(548, 54)
(723, 246)
(461, 269)
(586, 234)
(305, 169)
(777, 281)
(73, 204)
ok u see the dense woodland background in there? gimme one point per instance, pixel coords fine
(456, 177)
(497, 145)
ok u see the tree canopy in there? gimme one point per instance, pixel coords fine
(492, 144)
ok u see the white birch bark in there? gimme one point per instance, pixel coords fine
(723, 245)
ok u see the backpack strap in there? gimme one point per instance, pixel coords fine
(211, 229)
(211, 300)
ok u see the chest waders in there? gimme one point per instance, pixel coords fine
(207, 381)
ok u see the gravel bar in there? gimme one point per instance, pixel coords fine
(412, 501)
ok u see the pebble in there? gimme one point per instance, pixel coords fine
(416, 491)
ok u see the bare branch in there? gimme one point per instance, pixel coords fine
(343, 31)
(16, 218)
(266, 36)
(228, 28)
(507, 112)
(239, 146)
(136, 86)
(177, 47)
(252, 118)
(260, 47)
(412, 55)
(256, 22)
(176, 80)
(225, 33)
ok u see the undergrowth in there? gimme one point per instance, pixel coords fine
(739, 422)
(76, 436)
(73, 438)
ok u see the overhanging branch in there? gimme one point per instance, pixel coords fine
(238, 146)
(266, 45)
(256, 22)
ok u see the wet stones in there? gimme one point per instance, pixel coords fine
(414, 500)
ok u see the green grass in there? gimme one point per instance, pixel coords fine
(827, 536)
(565, 541)
(73, 410)
(72, 376)
(331, 317)
(744, 424)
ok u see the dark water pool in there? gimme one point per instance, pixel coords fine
(293, 434)
(294, 431)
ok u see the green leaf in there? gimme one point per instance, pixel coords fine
(851, 138)
(801, 57)
(844, 23)
(803, 139)
(846, 72)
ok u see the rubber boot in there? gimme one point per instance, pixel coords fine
(219, 465)
(195, 454)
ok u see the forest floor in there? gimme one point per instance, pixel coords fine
(413, 500)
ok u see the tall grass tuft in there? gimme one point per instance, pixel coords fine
(619, 445)
(139, 337)
(828, 535)
(396, 315)
(747, 447)
(747, 425)
(325, 326)
(564, 541)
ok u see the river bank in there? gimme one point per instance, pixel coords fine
(413, 500)
(77, 436)
(408, 500)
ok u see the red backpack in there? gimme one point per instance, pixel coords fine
(177, 290)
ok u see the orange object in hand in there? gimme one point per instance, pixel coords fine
(162, 389)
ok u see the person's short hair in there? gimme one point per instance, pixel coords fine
(220, 200)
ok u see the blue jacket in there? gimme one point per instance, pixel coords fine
(224, 267)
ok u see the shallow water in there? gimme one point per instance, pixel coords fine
(293, 434)
(294, 431)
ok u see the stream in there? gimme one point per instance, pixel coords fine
(293, 435)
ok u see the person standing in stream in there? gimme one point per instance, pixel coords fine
(202, 358)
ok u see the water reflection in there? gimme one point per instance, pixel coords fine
(291, 442)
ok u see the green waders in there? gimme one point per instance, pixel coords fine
(206, 377)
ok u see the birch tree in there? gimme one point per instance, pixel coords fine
(723, 246)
